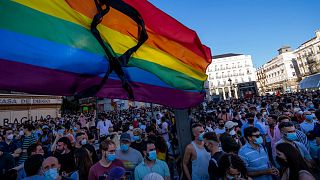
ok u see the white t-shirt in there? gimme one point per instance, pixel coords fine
(164, 131)
(103, 126)
(219, 131)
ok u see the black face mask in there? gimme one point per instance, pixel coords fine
(221, 125)
(223, 112)
(281, 162)
(250, 121)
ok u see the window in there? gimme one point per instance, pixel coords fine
(218, 83)
(249, 79)
(291, 65)
(224, 83)
(236, 80)
(293, 74)
(248, 71)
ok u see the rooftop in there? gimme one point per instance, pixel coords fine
(225, 55)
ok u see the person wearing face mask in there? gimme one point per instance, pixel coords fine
(255, 156)
(151, 164)
(137, 140)
(236, 119)
(46, 138)
(289, 135)
(65, 154)
(82, 141)
(51, 168)
(212, 145)
(129, 156)
(103, 127)
(8, 144)
(252, 123)
(308, 123)
(294, 166)
(232, 167)
(220, 129)
(27, 141)
(196, 153)
(226, 116)
(230, 142)
(107, 162)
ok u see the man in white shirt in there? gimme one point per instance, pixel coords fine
(103, 127)
(220, 129)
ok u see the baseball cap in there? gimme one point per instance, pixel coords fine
(125, 137)
(45, 127)
(116, 173)
(230, 124)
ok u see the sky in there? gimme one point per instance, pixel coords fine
(254, 27)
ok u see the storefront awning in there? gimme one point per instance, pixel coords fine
(310, 82)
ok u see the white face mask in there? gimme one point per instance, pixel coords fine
(21, 133)
(84, 142)
(10, 137)
(131, 127)
(232, 132)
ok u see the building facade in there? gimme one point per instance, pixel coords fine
(308, 56)
(279, 74)
(228, 70)
(19, 108)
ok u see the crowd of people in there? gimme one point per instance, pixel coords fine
(264, 137)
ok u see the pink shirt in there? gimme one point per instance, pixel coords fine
(275, 138)
(97, 171)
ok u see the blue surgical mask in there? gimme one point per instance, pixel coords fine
(309, 117)
(124, 147)
(258, 141)
(152, 155)
(84, 141)
(136, 138)
(292, 136)
(200, 138)
(311, 106)
(111, 157)
(75, 129)
(52, 173)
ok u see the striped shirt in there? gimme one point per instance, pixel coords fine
(27, 141)
(255, 160)
(302, 138)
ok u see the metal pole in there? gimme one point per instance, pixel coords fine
(183, 129)
(152, 115)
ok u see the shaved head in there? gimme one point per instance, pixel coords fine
(50, 162)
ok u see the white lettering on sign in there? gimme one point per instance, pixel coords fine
(8, 101)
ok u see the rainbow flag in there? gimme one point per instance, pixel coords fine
(47, 47)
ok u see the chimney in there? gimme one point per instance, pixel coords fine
(318, 33)
(284, 49)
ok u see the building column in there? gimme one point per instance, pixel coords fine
(229, 90)
(224, 94)
(217, 91)
(236, 92)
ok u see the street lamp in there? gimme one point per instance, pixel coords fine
(230, 81)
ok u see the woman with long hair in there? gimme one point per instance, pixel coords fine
(83, 163)
(231, 166)
(295, 167)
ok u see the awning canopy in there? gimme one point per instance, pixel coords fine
(310, 82)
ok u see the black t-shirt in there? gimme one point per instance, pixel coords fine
(213, 168)
(6, 162)
(316, 129)
(137, 146)
(66, 161)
